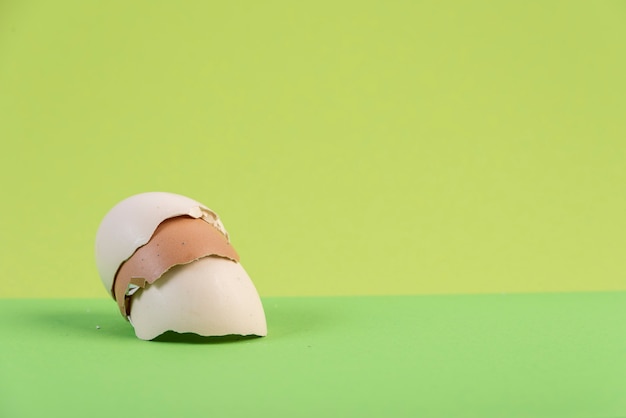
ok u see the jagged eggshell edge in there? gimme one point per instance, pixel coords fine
(131, 223)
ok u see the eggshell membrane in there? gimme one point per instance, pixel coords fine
(212, 296)
(175, 241)
(131, 223)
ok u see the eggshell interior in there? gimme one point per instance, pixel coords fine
(212, 296)
(131, 223)
(178, 240)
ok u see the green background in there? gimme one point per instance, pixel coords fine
(530, 355)
(429, 197)
(351, 148)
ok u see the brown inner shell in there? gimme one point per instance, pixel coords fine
(178, 240)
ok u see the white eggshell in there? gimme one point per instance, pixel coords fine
(131, 223)
(211, 296)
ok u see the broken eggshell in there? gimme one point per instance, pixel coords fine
(211, 296)
(131, 223)
(167, 261)
(176, 241)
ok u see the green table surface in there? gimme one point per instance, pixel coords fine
(526, 355)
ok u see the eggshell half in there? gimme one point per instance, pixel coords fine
(178, 240)
(211, 296)
(131, 223)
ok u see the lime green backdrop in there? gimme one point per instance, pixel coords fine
(350, 147)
